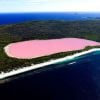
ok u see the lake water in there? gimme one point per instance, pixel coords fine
(78, 79)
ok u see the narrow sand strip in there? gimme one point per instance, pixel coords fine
(29, 68)
(6, 50)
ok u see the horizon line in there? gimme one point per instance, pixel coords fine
(52, 12)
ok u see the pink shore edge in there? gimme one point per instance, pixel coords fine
(38, 48)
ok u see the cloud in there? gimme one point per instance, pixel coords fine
(48, 5)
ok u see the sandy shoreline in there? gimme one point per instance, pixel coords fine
(6, 50)
(32, 67)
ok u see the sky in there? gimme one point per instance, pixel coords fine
(49, 6)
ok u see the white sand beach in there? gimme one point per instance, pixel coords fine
(44, 64)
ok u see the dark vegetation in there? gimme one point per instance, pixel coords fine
(89, 29)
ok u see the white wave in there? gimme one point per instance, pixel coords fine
(33, 66)
(72, 63)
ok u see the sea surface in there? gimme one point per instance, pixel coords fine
(78, 79)
(11, 18)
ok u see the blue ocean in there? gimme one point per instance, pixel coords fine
(78, 79)
(12, 18)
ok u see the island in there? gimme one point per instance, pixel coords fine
(32, 45)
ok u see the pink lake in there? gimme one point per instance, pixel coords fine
(37, 48)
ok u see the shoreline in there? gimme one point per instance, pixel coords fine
(4, 75)
(6, 50)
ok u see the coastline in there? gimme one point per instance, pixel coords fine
(4, 75)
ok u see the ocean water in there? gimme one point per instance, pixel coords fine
(11, 18)
(78, 79)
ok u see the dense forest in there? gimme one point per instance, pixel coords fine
(89, 29)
